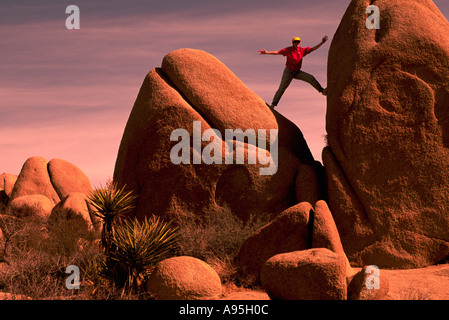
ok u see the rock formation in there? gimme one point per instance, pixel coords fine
(192, 85)
(387, 120)
(314, 274)
(184, 278)
(34, 179)
(7, 182)
(74, 206)
(30, 205)
(67, 178)
(298, 228)
(288, 232)
(54, 179)
(49, 189)
(324, 233)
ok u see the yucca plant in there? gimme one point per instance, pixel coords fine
(109, 203)
(139, 245)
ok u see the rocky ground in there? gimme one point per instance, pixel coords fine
(430, 283)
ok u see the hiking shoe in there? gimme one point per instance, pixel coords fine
(324, 92)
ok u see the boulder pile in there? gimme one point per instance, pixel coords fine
(51, 190)
(193, 93)
(382, 195)
(384, 177)
(299, 256)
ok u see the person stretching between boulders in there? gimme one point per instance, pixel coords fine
(292, 70)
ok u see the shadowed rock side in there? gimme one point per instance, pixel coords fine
(387, 121)
(192, 85)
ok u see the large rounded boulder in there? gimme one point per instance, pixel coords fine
(198, 138)
(388, 132)
(288, 232)
(313, 274)
(184, 278)
(41, 185)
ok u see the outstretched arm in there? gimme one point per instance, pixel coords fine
(263, 51)
(320, 44)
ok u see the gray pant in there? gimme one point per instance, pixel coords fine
(288, 76)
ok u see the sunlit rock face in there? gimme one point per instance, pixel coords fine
(387, 120)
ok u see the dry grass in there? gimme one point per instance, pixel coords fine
(216, 238)
(34, 254)
(416, 294)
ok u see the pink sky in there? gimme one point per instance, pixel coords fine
(68, 93)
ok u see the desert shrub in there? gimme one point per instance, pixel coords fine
(131, 247)
(35, 259)
(216, 237)
(141, 245)
(138, 247)
(109, 204)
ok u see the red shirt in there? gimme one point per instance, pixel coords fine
(294, 57)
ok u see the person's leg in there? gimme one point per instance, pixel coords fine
(304, 76)
(287, 78)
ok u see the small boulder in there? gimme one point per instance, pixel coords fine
(73, 207)
(184, 278)
(7, 182)
(325, 233)
(30, 205)
(368, 284)
(287, 232)
(314, 274)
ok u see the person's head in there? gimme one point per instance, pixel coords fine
(296, 41)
